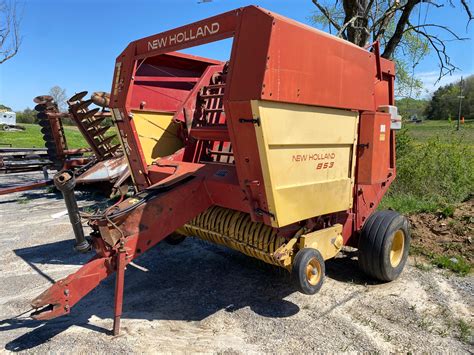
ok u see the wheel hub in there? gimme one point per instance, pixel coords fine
(313, 272)
(397, 248)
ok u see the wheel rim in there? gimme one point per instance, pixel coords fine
(313, 271)
(396, 250)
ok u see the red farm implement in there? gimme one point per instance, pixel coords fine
(283, 153)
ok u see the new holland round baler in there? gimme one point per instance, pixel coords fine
(282, 153)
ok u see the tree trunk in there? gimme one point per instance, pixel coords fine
(356, 21)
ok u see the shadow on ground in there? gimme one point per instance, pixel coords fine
(90, 193)
(188, 282)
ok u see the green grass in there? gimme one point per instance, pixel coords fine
(32, 137)
(406, 204)
(445, 130)
(457, 264)
(435, 168)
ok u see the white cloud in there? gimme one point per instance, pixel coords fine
(431, 83)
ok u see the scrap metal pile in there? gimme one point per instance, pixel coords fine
(283, 157)
(16, 160)
(101, 162)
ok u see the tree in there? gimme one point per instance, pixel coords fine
(10, 39)
(403, 34)
(408, 108)
(444, 103)
(26, 116)
(59, 96)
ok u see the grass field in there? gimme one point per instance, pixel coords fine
(32, 137)
(435, 167)
(445, 130)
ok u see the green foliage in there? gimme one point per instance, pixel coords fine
(457, 264)
(444, 103)
(404, 142)
(29, 116)
(408, 108)
(6, 108)
(26, 116)
(406, 85)
(406, 203)
(435, 168)
(436, 172)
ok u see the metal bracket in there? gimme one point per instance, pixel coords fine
(260, 212)
(250, 120)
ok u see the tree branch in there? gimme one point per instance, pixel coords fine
(326, 14)
(468, 10)
(445, 28)
(383, 22)
(10, 39)
(446, 67)
(399, 29)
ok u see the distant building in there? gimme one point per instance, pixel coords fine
(7, 117)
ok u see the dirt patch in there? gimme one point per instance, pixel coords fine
(443, 235)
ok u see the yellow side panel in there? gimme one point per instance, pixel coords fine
(307, 156)
(157, 134)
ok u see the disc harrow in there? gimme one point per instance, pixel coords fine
(49, 118)
(92, 123)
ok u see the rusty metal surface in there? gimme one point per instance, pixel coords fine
(105, 170)
(101, 98)
(23, 159)
(49, 118)
(25, 187)
(91, 123)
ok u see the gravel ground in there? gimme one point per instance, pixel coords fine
(197, 297)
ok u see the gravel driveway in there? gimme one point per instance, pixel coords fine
(196, 297)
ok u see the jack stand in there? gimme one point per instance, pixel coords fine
(119, 283)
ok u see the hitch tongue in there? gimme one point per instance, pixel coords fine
(65, 182)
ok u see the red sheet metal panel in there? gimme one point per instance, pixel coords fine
(374, 148)
(247, 159)
(248, 61)
(311, 67)
(204, 31)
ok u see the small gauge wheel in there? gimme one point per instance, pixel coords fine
(308, 271)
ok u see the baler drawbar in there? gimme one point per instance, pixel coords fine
(282, 153)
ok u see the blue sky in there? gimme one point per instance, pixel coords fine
(74, 43)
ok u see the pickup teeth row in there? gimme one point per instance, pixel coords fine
(91, 123)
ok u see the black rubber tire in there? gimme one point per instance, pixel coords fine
(299, 270)
(375, 244)
(175, 239)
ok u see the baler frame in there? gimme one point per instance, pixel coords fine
(175, 189)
